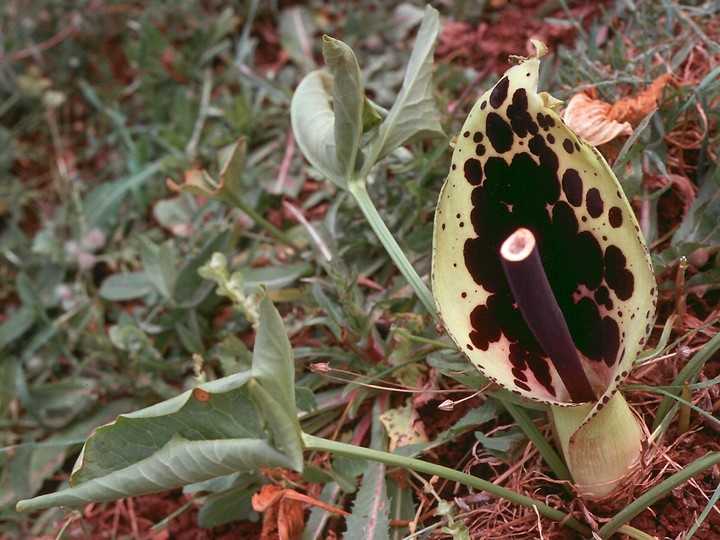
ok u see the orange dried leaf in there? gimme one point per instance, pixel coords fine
(267, 497)
(284, 515)
(634, 109)
(590, 118)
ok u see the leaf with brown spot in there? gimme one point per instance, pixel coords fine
(403, 426)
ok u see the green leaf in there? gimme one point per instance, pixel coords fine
(210, 431)
(370, 517)
(504, 445)
(174, 214)
(16, 325)
(313, 122)
(127, 286)
(348, 102)
(225, 508)
(221, 409)
(371, 509)
(702, 224)
(402, 507)
(102, 203)
(273, 362)
(227, 498)
(284, 426)
(160, 263)
(318, 518)
(414, 112)
(273, 367)
(274, 277)
(345, 472)
(189, 288)
(177, 463)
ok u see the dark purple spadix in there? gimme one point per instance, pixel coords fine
(531, 288)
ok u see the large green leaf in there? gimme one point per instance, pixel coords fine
(177, 463)
(414, 112)
(215, 429)
(218, 410)
(313, 122)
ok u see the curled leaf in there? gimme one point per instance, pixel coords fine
(634, 109)
(590, 118)
(284, 514)
(598, 122)
(199, 182)
(313, 123)
(348, 102)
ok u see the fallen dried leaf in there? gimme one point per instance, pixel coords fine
(590, 119)
(284, 515)
(634, 109)
(403, 426)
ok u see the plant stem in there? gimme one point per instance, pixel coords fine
(348, 450)
(637, 534)
(688, 374)
(657, 493)
(551, 457)
(260, 220)
(359, 191)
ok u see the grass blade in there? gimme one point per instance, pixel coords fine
(657, 493)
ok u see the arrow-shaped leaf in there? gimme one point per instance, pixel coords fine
(414, 112)
(215, 429)
(177, 463)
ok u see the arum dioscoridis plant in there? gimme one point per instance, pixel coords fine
(541, 274)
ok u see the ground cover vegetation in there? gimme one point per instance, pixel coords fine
(217, 221)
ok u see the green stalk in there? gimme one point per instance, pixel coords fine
(359, 191)
(263, 223)
(599, 451)
(551, 457)
(658, 492)
(687, 375)
(357, 452)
